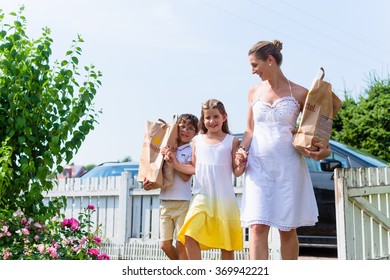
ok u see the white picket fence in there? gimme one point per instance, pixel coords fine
(363, 213)
(129, 215)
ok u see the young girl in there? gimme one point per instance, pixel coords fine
(213, 220)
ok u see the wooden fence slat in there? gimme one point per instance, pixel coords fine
(155, 234)
(136, 217)
(355, 238)
(102, 216)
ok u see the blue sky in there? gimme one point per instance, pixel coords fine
(166, 57)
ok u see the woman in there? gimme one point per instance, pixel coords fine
(277, 187)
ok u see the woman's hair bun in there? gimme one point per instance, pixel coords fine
(278, 44)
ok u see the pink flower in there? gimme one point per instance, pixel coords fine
(93, 251)
(38, 225)
(91, 207)
(56, 245)
(65, 222)
(23, 221)
(74, 224)
(76, 249)
(6, 254)
(41, 248)
(53, 252)
(36, 238)
(97, 239)
(83, 240)
(103, 256)
(25, 231)
(71, 223)
(4, 228)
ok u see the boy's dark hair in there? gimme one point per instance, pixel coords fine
(189, 119)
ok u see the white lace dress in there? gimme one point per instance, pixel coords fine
(278, 191)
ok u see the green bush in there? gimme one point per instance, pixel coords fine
(365, 123)
(46, 111)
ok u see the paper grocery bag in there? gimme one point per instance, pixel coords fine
(321, 106)
(171, 142)
(157, 135)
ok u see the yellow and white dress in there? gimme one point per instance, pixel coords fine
(213, 218)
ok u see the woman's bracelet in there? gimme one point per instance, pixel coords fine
(242, 147)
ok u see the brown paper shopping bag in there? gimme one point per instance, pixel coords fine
(157, 135)
(171, 142)
(321, 106)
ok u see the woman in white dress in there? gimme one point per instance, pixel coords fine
(277, 187)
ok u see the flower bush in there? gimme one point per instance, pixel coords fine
(24, 238)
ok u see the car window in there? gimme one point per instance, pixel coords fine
(108, 170)
(343, 159)
(315, 166)
(363, 156)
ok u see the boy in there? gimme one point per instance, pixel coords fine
(175, 200)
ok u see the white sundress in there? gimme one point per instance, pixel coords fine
(213, 219)
(278, 191)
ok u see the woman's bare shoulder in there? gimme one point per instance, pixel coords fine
(252, 91)
(299, 92)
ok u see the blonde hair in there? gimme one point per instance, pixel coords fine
(213, 104)
(263, 49)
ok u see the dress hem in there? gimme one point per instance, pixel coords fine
(279, 227)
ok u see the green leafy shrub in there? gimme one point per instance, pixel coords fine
(365, 123)
(46, 111)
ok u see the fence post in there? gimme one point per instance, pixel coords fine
(340, 203)
(123, 207)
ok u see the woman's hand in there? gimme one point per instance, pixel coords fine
(323, 152)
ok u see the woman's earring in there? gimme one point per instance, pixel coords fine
(269, 64)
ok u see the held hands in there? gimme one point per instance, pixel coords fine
(241, 157)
